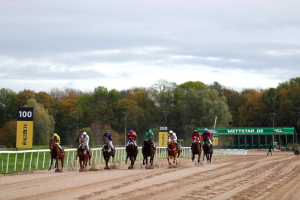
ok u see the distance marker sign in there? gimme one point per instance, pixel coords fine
(24, 127)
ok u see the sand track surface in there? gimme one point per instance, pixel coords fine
(255, 176)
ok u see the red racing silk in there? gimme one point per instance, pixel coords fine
(199, 136)
(206, 133)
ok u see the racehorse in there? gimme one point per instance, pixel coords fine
(83, 156)
(107, 152)
(196, 149)
(56, 154)
(148, 151)
(207, 149)
(172, 151)
(132, 152)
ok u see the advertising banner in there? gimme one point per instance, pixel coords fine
(162, 134)
(24, 128)
(249, 131)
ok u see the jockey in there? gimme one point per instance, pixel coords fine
(79, 139)
(110, 138)
(172, 135)
(206, 133)
(196, 133)
(131, 135)
(56, 139)
(86, 138)
(147, 136)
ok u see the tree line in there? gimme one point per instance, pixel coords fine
(191, 105)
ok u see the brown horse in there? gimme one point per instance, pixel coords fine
(207, 149)
(196, 149)
(132, 152)
(172, 151)
(148, 151)
(84, 158)
(107, 152)
(56, 154)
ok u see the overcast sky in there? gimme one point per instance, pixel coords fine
(127, 43)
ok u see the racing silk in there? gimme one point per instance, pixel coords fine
(132, 136)
(152, 134)
(107, 135)
(199, 136)
(86, 139)
(57, 141)
(173, 137)
(206, 133)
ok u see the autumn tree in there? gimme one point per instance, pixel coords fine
(201, 108)
(43, 123)
(162, 92)
(8, 106)
(8, 134)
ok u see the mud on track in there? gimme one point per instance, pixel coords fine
(255, 176)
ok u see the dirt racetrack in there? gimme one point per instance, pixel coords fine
(255, 176)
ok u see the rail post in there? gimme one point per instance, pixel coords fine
(30, 163)
(37, 160)
(23, 162)
(15, 167)
(44, 159)
(7, 163)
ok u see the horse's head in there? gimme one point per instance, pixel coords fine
(131, 141)
(150, 139)
(82, 147)
(195, 138)
(51, 144)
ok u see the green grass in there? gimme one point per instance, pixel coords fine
(37, 159)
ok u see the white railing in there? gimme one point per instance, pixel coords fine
(39, 159)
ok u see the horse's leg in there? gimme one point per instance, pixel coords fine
(174, 156)
(199, 156)
(56, 163)
(62, 161)
(203, 155)
(50, 163)
(113, 156)
(168, 158)
(126, 159)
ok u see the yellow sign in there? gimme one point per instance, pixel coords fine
(162, 140)
(24, 127)
(215, 140)
(24, 134)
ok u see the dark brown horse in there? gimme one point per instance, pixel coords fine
(107, 152)
(172, 150)
(132, 152)
(148, 151)
(56, 154)
(207, 149)
(196, 149)
(84, 158)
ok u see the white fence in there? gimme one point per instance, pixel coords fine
(28, 160)
(20, 161)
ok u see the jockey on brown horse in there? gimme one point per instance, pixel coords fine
(84, 156)
(207, 133)
(173, 136)
(196, 145)
(108, 149)
(56, 151)
(131, 148)
(149, 148)
(207, 145)
(173, 147)
(86, 139)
